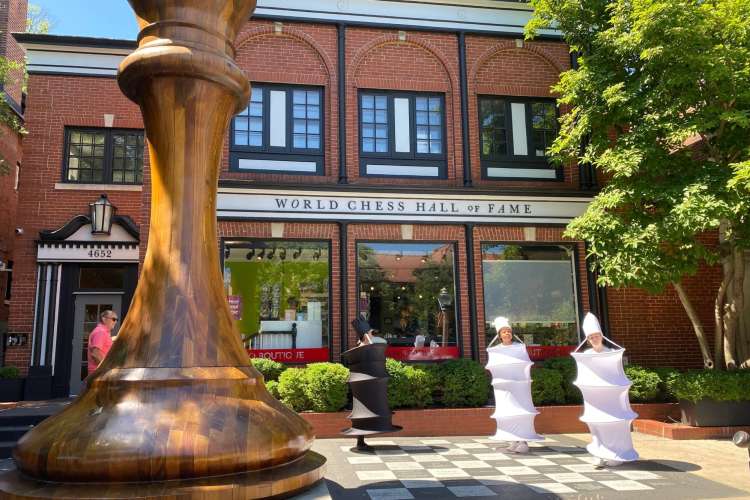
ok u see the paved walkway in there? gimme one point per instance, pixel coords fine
(558, 468)
(462, 467)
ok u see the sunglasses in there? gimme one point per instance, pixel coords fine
(114, 319)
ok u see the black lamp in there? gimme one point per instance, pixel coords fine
(444, 299)
(101, 213)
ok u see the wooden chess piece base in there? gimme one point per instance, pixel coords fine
(276, 482)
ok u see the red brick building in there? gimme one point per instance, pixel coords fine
(12, 18)
(389, 165)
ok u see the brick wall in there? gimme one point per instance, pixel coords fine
(652, 328)
(55, 102)
(10, 152)
(12, 20)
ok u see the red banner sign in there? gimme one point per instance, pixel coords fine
(291, 355)
(421, 353)
(542, 352)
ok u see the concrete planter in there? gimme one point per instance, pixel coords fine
(477, 421)
(711, 413)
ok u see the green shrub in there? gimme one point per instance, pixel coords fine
(273, 388)
(291, 389)
(325, 386)
(463, 382)
(409, 386)
(665, 375)
(711, 384)
(9, 372)
(645, 386)
(547, 387)
(567, 367)
(269, 368)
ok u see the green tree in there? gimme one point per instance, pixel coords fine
(38, 20)
(660, 104)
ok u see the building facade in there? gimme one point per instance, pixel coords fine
(390, 164)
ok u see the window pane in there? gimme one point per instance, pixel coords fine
(94, 277)
(374, 124)
(493, 127)
(255, 139)
(534, 286)
(240, 124)
(423, 147)
(274, 284)
(544, 125)
(85, 153)
(429, 124)
(248, 124)
(240, 138)
(421, 103)
(435, 147)
(422, 118)
(128, 159)
(406, 292)
(422, 132)
(306, 114)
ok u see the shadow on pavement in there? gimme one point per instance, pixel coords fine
(451, 489)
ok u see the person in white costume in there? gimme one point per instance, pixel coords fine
(509, 365)
(605, 386)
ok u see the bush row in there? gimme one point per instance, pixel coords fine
(323, 386)
(553, 383)
(465, 383)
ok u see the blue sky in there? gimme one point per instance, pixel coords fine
(98, 18)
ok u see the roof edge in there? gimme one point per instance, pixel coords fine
(81, 41)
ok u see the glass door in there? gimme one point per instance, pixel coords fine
(87, 310)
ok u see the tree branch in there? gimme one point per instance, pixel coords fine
(697, 326)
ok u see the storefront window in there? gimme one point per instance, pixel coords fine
(407, 293)
(279, 292)
(534, 286)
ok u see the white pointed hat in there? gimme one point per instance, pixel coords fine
(591, 325)
(501, 322)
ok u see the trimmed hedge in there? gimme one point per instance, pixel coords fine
(547, 387)
(409, 386)
(9, 372)
(567, 368)
(273, 388)
(463, 382)
(718, 385)
(325, 386)
(645, 384)
(269, 368)
(292, 389)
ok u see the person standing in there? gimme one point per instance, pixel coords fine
(100, 339)
(604, 385)
(510, 366)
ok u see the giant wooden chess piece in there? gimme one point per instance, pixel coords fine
(176, 398)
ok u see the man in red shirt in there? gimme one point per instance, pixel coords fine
(100, 340)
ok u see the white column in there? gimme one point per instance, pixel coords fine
(402, 124)
(518, 115)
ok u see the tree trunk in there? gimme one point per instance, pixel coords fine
(741, 345)
(719, 319)
(730, 313)
(697, 325)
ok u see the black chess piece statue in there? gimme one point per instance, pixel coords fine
(368, 381)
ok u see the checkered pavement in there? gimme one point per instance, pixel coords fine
(476, 467)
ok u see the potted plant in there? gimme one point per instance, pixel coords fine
(11, 384)
(713, 398)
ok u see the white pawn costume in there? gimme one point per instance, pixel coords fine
(510, 367)
(604, 385)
